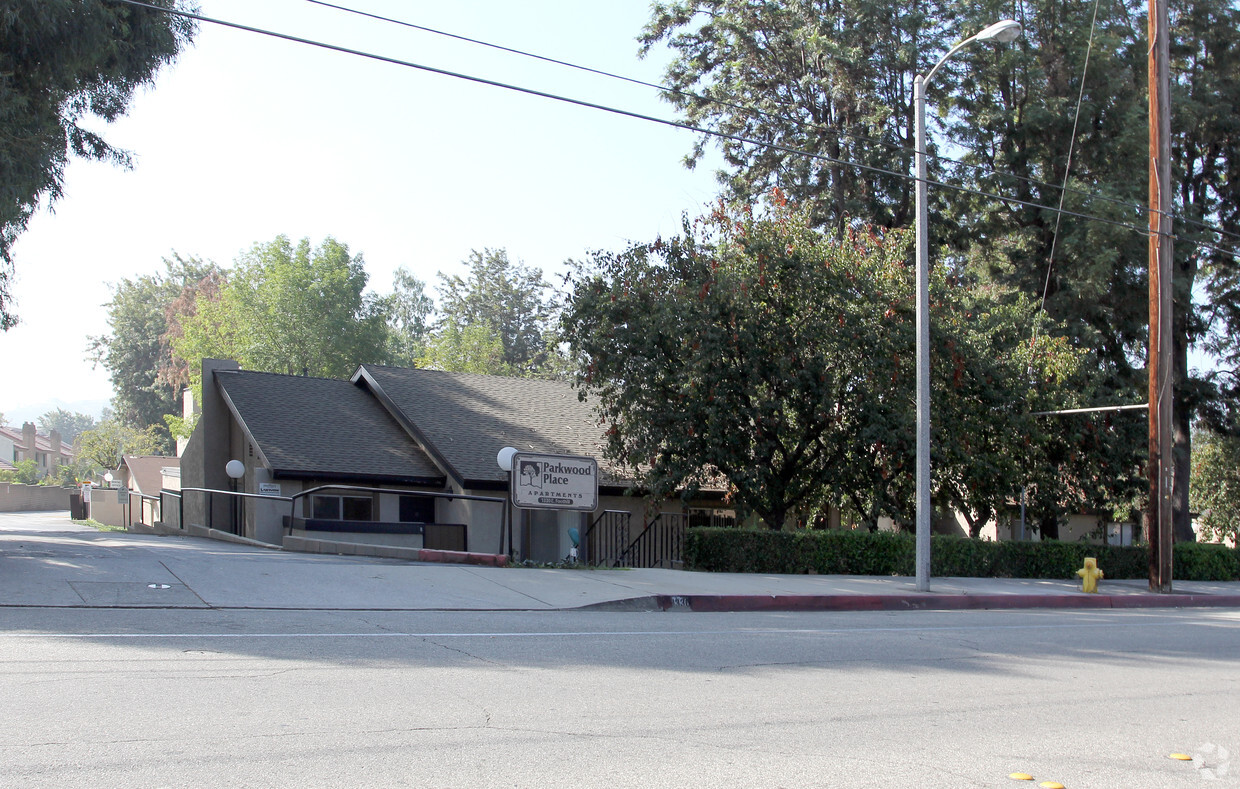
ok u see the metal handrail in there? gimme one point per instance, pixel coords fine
(505, 532)
(585, 540)
(640, 540)
(505, 529)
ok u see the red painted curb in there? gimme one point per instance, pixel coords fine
(463, 557)
(931, 602)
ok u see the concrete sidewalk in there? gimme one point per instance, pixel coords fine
(47, 561)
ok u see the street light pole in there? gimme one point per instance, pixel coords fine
(1004, 31)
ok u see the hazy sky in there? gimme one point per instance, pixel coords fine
(247, 137)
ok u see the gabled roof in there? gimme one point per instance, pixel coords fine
(145, 475)
(462, 420)
(42, 443)
(322, 428)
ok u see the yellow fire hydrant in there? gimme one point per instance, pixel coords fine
(1090, 574)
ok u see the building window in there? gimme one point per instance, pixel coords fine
(417, 509)
(347, 508)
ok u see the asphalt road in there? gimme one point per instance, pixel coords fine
(181, 697)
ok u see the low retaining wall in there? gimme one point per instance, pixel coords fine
(32, 498)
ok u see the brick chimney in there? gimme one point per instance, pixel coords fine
(54, 458)
(28, 438)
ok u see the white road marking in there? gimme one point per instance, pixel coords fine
(628, 633)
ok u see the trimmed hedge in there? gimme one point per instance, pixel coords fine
(889, 553)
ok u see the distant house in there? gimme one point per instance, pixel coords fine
(47, 451)
(408, 457)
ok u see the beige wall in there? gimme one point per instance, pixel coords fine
(32, 498)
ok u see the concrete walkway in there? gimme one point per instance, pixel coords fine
(48, 561)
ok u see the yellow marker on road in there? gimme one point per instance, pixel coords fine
(1090, 575)
(1184, 757)
(1051, 785)
(1020, 776)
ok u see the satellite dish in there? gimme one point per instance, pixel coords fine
(235, 469)
(504, 458)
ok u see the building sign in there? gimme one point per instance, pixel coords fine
(269, 488)
(554, 482)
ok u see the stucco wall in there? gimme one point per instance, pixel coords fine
(32, 498)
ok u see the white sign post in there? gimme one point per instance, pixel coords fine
(554, 482)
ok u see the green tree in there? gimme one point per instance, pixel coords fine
(757, 352)
(778, 73)
(108, 442)
(409, 315)
(288, 309)
(830, 78)
(1216, 485)
(475, 348)
(510, 298)
(136, 350)
(69, 424)
(62, 62)
(24, 472)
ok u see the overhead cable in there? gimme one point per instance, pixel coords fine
(621, 112)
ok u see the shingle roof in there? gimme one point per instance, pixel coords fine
(310, 427)
(42, 443)
(468, 418)
(145, 474)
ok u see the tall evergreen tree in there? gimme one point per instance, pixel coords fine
(511, 300)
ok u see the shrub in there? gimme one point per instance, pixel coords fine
(891, 553)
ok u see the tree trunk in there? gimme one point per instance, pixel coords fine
(1181, 412)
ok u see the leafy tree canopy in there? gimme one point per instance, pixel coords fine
(834, 79)
(409, 318)
(1216, 485)
(61, 63)
(136, 351)
(474, 348)
(509, 298)
(760, 353)
(109, 441)
(24, 472)
(288, 309)
(69, 424)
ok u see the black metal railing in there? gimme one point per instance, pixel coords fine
(660, 544)
(607, 537)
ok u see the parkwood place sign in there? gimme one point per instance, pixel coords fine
(554, 482)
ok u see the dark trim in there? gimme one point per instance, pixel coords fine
(236, 414)
(357, 527)
(419, 438)
(346, 478)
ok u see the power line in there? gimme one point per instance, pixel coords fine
(618, 111)
(981, 170)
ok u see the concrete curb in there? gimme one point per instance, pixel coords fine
(463, 557)
(915, 602)
(223, 536)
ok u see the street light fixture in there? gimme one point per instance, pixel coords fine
(1005, 31)
(235, 469)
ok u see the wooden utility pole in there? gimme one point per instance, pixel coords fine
(1162, 463)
